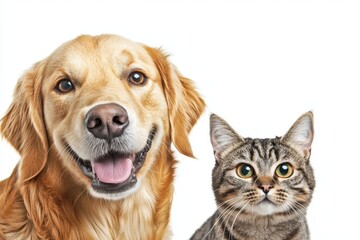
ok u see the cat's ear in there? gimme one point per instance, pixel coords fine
(301, 134)
(222, 135)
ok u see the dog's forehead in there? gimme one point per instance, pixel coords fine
(97, 51)
(103, 44)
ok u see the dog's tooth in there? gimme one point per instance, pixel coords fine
(96, 180)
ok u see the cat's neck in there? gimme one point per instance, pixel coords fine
(261, 227)
(250, 219)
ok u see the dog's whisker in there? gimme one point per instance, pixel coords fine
(79, 195)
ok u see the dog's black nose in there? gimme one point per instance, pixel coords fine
(107, 121)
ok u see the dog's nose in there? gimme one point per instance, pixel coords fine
(107, 121)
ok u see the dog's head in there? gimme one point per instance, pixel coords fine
(107, 105)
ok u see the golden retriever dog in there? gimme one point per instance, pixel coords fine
(93, 124)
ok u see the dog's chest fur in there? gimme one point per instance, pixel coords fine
(132, 219)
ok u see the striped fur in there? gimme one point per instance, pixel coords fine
(265, 205)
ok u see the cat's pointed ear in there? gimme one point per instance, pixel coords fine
(301, 134)
(222, 135)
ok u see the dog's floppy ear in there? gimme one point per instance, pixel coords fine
(184, 103)
(23, 124)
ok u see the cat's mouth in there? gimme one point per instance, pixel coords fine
(266, 206)
(266, 200)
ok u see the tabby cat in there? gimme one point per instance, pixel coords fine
(262, 186)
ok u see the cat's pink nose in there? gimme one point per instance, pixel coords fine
(265, 183)
(266, 188)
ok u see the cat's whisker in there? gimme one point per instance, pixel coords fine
(225, 215)
(222, 213)
(299, 204)
(240, 211)
(230, 213)
(232, 210)
(226, 218)
(229, 201)
(300, 213)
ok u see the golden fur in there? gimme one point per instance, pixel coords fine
(47, 196)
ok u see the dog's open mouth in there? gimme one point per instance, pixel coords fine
(115, 171)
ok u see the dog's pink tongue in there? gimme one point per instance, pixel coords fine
(113, 170)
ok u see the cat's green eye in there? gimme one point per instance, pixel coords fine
(284, 170)
(245, 170)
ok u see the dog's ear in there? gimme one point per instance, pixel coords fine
(23, 124)
(184, 103)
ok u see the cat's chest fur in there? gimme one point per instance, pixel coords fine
(266, 229)
(222, 226)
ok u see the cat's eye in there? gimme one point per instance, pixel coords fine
(245, 170)
(64, 86)
(284, 170)
(137, 78)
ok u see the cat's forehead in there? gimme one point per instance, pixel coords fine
(263, 143)
(262, 146)
(267, 150)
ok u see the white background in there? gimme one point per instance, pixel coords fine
(258, 64)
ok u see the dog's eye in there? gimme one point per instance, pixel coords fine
(64, 86)
(137, 78)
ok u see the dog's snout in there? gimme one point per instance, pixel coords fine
(107, 121)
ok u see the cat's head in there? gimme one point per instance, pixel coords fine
(263, 176)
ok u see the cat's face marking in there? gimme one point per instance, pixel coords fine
(263, 176)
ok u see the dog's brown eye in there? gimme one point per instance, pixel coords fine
(137, 78)
(64, 86)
